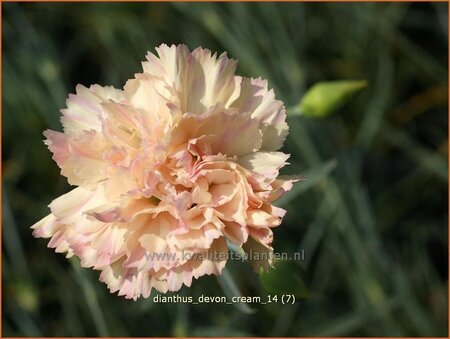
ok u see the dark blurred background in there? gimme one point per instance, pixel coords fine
(372, 216)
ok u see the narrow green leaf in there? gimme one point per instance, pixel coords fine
(236, 249)
(312, 178)
(90, 296)
(230, 289)
(324, 98)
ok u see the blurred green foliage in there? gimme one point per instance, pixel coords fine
(284, 279)
(372, 216)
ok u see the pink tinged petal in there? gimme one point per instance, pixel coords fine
(137, 207)
(109, 215)
(181, 159)
(185, 75)
(184, 132)
(167, 223)
(117, 156)
(262, 235)
(169, 63)
(146, 92)
(112, 275)
(106, 246)
(60, 242)
(221, 85)
(145, 285)
(257, 99)
(261, 219)
(136, 257)
(174, 281)
(149, 179)
(194, 218)
(153, 243)
(84, 172)
(69, 207)
(178, 276)
(280, 187)
(141, 92)
(45, 227)
(265, 163)
(274, 135)
(106, 207)
(223, 193)
(158, 254)
(84, 111)
(187, 274)
(58, 143)
(130, 288)
(147, 220)
(212, 263)
(98, 248)
(217, 161)
(158, 284)
(208, 262)
(229, 133)
(160, 219)
(208, 213)
(253, 200)
(144, 225)
(108, 93)
(200, 196)
(122, 280)
(94, 242)
(195, 238)
(274, 210)
(81, 158)
(120, 126)
(234, 210)
(201, 79)
(199, 146)
(235, 232)
(61, 224)
(129, 283)
(121, 183)
(218, 176)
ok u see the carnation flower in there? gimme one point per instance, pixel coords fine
(182, 160)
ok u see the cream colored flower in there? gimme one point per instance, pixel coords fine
(168, 169)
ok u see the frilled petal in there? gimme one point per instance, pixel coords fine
(208, 262)
(49, 227)
(45, 227)
(200, 79)
(282, 185)
(265, 163)
(237, 233)
(70, 207)
(80, 158)
(130, 282)
(84, 111)
(100, 247)
(225, 132)
(255, 97)
(146, 92)
(196, 238)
